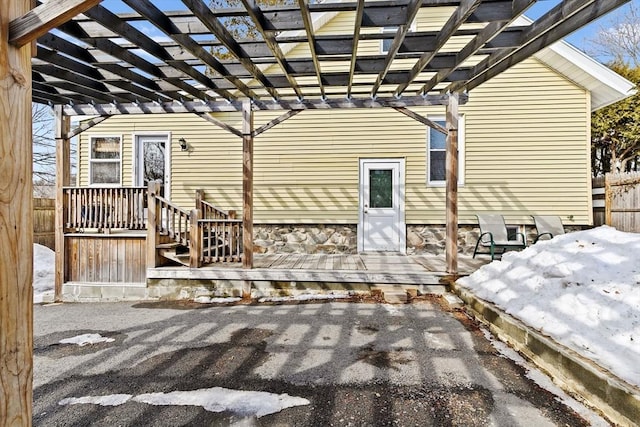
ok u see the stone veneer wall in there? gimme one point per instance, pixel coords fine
(305, 238)
(342, 238)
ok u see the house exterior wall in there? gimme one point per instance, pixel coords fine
(526, 151)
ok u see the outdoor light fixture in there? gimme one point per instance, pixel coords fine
(183, 144)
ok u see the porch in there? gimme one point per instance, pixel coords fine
(131, 243)
(391, 274)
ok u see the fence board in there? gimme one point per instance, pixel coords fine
(105, 258)
(616, 201)
(44, 216)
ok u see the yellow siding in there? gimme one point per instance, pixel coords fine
(527, 151)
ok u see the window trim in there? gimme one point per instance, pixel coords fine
(91, 161)
(461, 152)
(390, 29)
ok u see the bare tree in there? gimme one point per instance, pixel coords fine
(44, 149)
(618, 40)
(44, 145)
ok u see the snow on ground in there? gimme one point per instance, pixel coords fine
(86, 339)
(216, 399)
(44, 267)
(582, 289)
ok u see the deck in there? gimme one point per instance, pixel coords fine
(367, 268)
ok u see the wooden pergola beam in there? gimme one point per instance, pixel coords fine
(454, 22)
(128, 32)
(208, 117)
(488, 33)
(223, 106)
(560, 21)
(425, 121)
(203, 13)
(275, 122)
(68, 134)
(45, 17)
(257, 16)
(354, 46)
(16, 229)
(308, 26)
(412, 10)
(157, 18)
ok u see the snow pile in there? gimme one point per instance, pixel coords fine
(44, 267)
(108, 400)
(582, 289)
(86, 339)
(216, 399)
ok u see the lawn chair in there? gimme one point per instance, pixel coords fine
(548, 226)
(493, 235)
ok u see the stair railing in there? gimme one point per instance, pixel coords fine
(166, 222)
(219, 232)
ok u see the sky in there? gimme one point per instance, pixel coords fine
(580, 37)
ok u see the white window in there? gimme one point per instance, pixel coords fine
(105, 165)
(436, 154)
(385, 44)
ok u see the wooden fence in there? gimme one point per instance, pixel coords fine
(616, 201)
(44, 217)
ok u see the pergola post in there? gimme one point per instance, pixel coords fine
(247, 184)
(451, 246)
(153, 189)
(63, 179)
(16, 224)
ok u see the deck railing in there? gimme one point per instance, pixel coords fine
(172, 221)
(104, 208)
(217, 238)
(209, 211)
(220, 240)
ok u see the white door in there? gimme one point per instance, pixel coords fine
(382, 225)
(152, 162)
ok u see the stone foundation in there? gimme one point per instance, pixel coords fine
(342, 238)
(305, 239)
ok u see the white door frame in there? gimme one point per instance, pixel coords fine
(399, 197)
(167, 158)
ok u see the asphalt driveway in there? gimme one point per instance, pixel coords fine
(359, 364)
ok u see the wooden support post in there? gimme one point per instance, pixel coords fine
(247, 184)
(63, 179)
(199, 198)
(608, 199)
(195, 242)
(16, 224)
(247, 191)
(451, 245)
(152, 218)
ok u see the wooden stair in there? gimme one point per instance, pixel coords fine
(175, 252)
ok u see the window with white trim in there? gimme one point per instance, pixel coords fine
(385, 44)
(105, 164)
(436, 153)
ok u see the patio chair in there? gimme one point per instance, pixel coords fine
(547, 226)
(494, 236)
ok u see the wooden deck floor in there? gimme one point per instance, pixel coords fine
(382, 268)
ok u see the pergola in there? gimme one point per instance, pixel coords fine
(88, 58)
